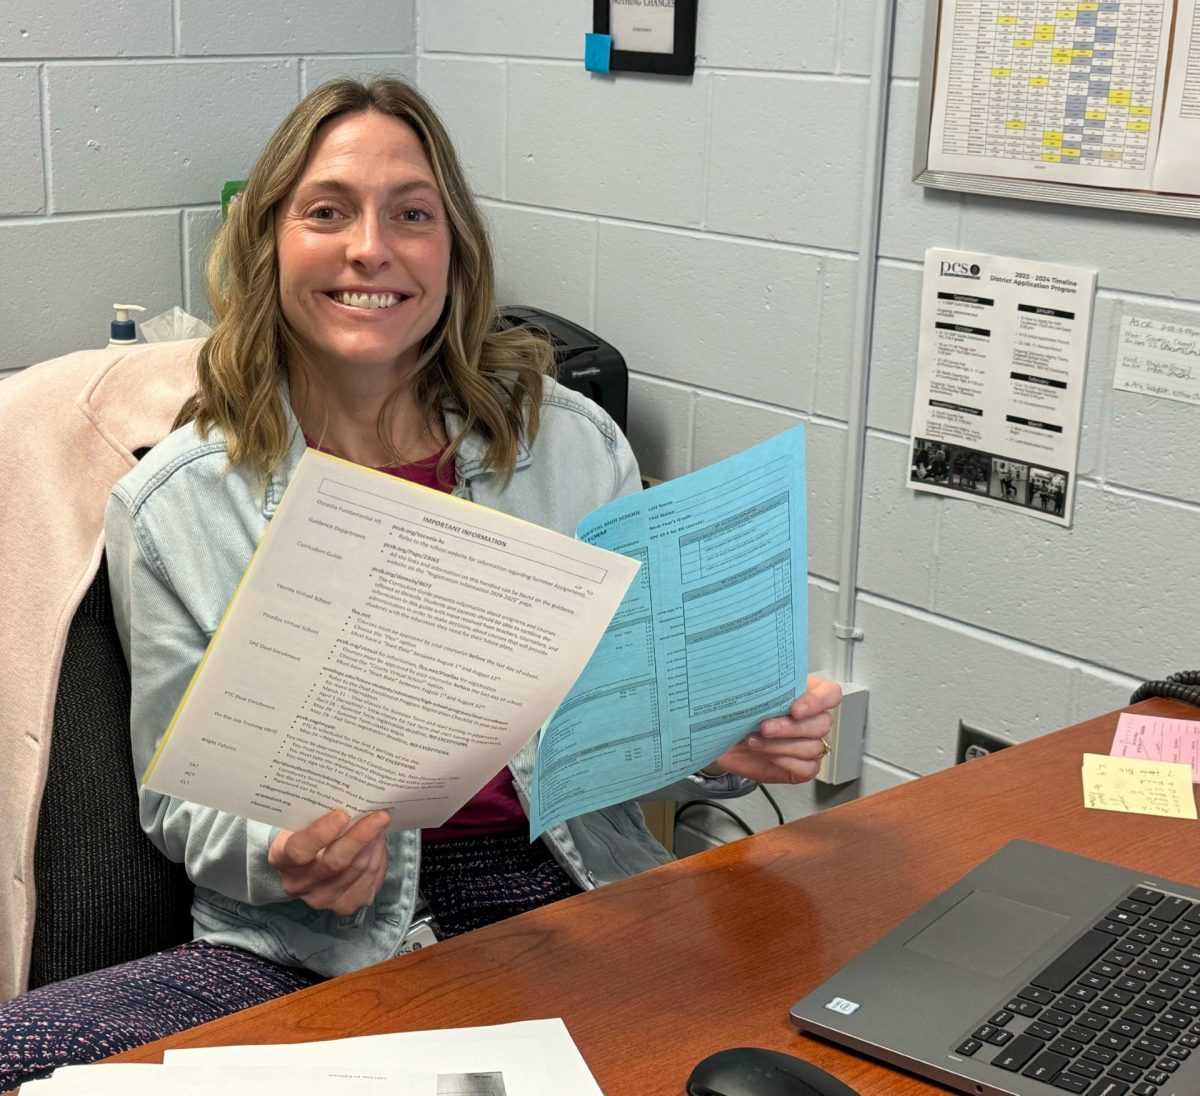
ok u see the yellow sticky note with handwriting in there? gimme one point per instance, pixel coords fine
(1136, 786)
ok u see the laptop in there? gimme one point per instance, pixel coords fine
(1038, 973)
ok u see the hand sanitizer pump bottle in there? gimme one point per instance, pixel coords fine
(123, 332)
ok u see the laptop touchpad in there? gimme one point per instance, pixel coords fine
(987, 933)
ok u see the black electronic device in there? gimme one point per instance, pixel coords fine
(584, 361)
(753, 1071)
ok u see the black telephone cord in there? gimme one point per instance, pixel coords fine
(1184, 686)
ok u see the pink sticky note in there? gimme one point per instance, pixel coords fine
(1154, 738)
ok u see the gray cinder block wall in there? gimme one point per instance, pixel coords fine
(123, 120)
(708, 228)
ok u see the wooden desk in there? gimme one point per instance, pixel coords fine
(655, 973)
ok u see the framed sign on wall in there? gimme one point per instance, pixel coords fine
(649, 35)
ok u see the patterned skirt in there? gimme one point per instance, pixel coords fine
(468, 882)
(94, 1015)
(472, 881)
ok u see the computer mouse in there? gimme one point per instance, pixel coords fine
(752, 1071)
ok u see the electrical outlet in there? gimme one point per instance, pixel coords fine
(975, 742)
(844, 761)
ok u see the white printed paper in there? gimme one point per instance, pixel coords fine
(148, 1079)
(389, 647)
(535, 1057)
(643, 26)
(1158, 359)
(1178, 166)
(1001, 362)
(1069, 93)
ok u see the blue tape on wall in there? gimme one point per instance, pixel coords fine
(596, 52)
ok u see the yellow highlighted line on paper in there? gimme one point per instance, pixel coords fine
(200, 665)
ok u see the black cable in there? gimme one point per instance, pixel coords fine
(716, 807)
(771, 799)
(1184, 686)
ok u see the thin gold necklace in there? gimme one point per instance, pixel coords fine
(404, 459)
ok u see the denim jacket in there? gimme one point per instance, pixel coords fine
(180, 530)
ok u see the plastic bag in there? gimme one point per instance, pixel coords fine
(172, 325)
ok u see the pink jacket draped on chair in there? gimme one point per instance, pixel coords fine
(68, 431)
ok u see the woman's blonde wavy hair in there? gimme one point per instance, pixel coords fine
(489, 374)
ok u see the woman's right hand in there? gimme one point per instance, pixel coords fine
(332, 865)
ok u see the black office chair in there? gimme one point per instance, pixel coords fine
(105, 894)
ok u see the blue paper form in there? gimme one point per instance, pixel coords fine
(711, 637)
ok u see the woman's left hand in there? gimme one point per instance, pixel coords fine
(787, 749)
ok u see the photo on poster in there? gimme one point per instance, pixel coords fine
(960, 469)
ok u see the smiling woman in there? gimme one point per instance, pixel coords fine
(364, 260)
(360, 192)
(353, 290)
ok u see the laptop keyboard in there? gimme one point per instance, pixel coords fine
(1115, 1014)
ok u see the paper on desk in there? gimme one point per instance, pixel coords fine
(143, 1079)
(711, 637)
(1136, 786)
(1155, 738)
(535, 1057)
(389, 646)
